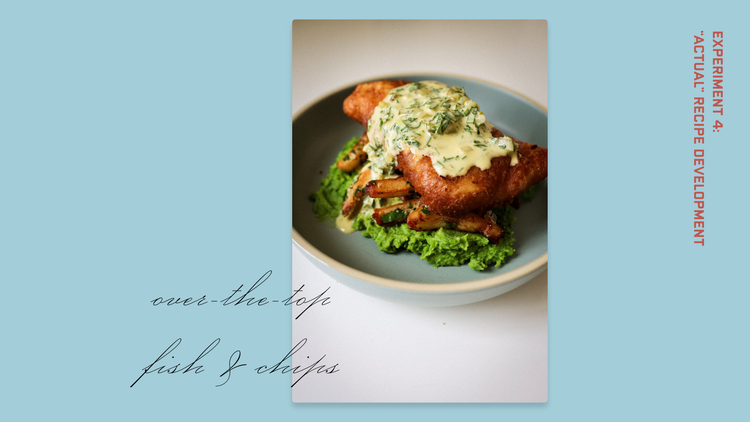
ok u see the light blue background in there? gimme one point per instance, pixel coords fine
(145, 150)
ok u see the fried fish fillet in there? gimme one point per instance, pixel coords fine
(454, 196)
(478, 190)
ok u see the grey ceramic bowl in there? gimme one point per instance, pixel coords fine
(319, 132)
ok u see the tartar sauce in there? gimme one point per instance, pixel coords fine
(433, 119)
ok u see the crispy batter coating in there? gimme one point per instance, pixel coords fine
(478, 190)
(361, 103)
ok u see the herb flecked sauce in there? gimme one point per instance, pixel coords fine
(430, 119)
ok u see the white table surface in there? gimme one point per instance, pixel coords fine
(492, 351)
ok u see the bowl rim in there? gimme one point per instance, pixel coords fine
(464, 286)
